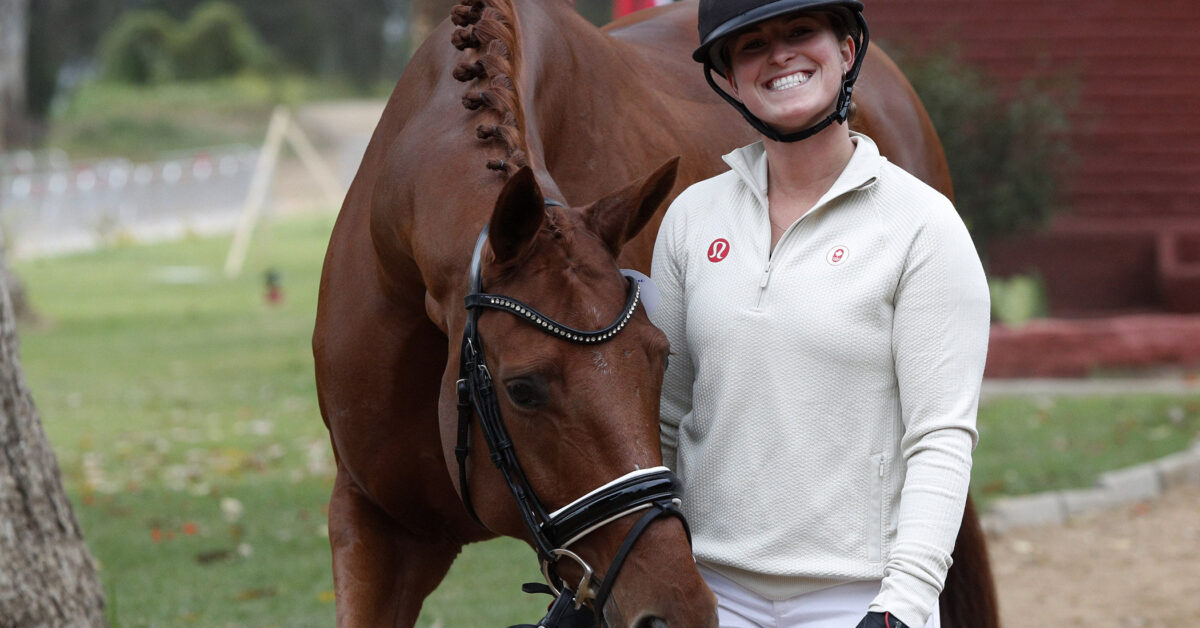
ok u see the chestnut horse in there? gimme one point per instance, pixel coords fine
(511, 109)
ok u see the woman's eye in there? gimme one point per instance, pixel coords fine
(524, 394)
(800, 31)
(751, 44)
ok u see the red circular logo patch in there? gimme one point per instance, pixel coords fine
(837, 255)
(718, 250)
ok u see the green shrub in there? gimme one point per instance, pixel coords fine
(1007, 151)
(1017, 299)
(217, 41)
(148, 47)
(138, 48)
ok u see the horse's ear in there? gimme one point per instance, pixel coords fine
(517, 217)
(618, 217)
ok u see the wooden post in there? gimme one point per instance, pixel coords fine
(282, 127)
(264, 172)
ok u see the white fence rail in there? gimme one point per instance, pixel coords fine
(50, 205)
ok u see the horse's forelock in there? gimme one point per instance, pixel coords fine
(488, 37)
(556, 248)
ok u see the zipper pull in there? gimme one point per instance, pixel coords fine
(766, 276)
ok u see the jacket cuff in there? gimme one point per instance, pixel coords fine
(910, 599)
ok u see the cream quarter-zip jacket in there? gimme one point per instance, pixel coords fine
(820, 399)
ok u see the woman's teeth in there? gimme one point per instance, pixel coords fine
(789, 81)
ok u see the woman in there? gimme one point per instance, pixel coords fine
(828, 318)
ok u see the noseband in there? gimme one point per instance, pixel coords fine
(654, 490)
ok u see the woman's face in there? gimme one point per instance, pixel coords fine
(788, 70)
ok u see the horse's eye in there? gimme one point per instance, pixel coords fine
(525, 394)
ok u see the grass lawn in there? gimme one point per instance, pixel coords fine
(183, 411)
(1028, 445)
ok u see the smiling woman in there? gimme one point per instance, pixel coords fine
(859, 285)
(788, 70)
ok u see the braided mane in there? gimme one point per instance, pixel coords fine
(487, 36)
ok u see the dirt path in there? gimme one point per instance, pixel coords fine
(1134, 567)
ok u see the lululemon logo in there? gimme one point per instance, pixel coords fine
(718, 250)
(837, 255)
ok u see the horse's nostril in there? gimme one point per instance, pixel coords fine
(651, 622)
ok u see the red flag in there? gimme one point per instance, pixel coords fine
(625, 7)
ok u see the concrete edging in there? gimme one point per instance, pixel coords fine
(1130, 485)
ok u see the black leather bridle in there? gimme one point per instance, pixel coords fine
(655, 490)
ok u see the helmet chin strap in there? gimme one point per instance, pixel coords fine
(841, 110)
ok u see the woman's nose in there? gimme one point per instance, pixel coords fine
(782, 52)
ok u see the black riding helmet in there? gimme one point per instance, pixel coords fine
(721, 18)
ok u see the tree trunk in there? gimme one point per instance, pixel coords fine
(426, 15)
(47, 577)
(22, 311)
(13, 30)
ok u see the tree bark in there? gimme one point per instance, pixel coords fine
(22, 311)
(47, 576)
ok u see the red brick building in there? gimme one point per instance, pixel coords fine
(1129, 240)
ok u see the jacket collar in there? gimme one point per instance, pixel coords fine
(750, 164)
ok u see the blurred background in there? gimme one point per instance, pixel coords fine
(170, 171)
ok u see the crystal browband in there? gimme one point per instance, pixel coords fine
(549, 325)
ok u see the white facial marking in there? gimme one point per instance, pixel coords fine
(600, 362)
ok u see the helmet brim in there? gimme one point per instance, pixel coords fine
(706, 53)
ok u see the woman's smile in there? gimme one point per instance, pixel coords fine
(788, 81)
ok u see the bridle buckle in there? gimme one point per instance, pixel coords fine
(584, 592)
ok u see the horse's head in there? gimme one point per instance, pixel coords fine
(581, 410)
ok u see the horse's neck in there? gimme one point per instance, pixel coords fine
(570, 79)
(600, 110)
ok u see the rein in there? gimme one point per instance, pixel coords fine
(655, 491)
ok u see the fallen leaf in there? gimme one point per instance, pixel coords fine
(212, 556)
(257, 594)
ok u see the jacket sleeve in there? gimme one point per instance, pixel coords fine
(939, 344)
(668, 270)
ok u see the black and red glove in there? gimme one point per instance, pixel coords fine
(881, 620)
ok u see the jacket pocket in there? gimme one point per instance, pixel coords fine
(875, 511)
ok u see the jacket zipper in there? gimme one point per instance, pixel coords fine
(762, 285)
(766, 274)
(875, 512)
